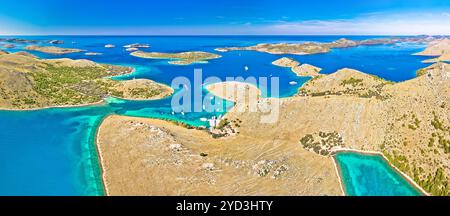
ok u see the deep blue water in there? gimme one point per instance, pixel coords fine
(371, 175)
(51, 151)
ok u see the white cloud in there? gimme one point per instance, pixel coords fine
(371, 24)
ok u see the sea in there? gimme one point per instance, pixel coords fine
(52, 151)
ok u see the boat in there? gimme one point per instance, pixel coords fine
(246, 68)
(110, 46)
(132, 49)
(293, 83)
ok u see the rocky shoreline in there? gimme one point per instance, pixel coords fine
(308, 48)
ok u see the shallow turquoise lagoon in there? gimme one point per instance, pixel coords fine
(371, 175)
(52, 151)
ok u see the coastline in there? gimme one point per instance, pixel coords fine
(100, 160)
(338, 174)
(404, 175)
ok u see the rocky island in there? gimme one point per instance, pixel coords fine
(308, 48)
(53, 49)
(17, 40)
(182, 58)
(28, 82)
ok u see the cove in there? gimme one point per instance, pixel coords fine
(52, 151)
(371, 175)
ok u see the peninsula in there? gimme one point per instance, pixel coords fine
(27, 82)
(182, 58)
(52, 49)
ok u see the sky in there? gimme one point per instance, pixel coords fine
(224, 17)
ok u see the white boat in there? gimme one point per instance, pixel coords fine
(246, 68)
(293, 83)
(203, 119)
(182, 113)
(110, 46)
(132, 49)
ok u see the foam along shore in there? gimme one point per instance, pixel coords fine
(300, 70)
(182, 58)
(30, 83)
(53, 49)
(307, 48)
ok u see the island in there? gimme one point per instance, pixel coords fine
(181, 58)
(308, 48)
(56, 42)
(300, 70)
(52, 49)
(8, 46)
(28, 82)
(17, 40)
(347, 110)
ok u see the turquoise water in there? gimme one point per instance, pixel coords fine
(52, 151)
(371, 175)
